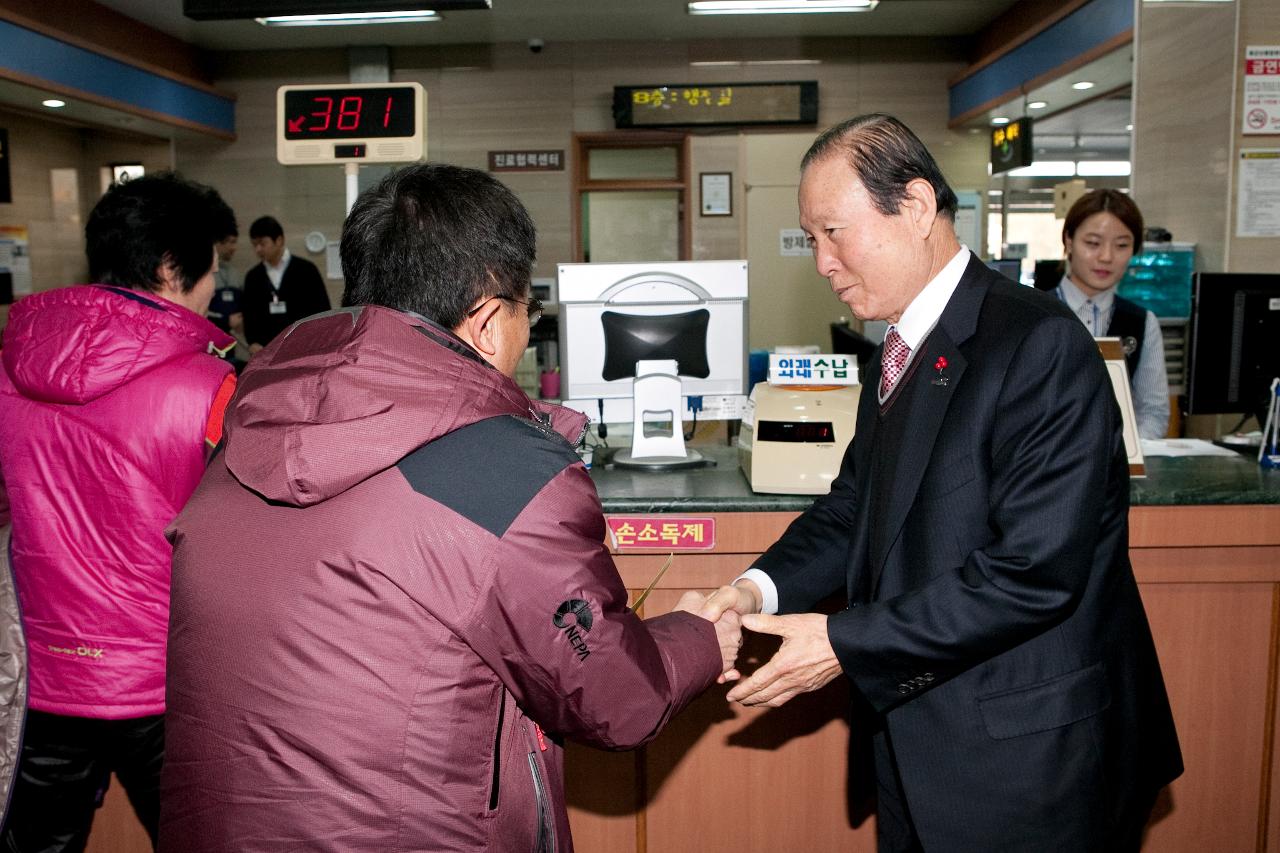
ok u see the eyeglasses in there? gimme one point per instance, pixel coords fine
(533, 306)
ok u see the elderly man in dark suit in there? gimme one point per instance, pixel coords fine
(998, 649)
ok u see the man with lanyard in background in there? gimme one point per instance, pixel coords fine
(279, 291)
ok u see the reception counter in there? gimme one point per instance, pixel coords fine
(1205, 545)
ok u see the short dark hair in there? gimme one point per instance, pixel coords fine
(886, 156)
(1105, 201)
(141, 225)
(435, 240)
(265, 226)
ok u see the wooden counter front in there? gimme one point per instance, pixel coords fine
(725, 779)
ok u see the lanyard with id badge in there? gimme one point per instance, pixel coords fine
(278, 305)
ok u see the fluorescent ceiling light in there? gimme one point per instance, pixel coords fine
(1099, 168)
(1082, 85)
(999, 120)
(343, 19)
(1037, 105)
(716, 63)
(54, 103)
(778, 7)
(784, 61)
(1046, 169)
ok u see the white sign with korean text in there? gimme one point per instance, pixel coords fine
(793, 244)
(1261, 113)
(816, 369)
(1258, 193)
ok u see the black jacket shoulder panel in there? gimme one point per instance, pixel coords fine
(490, 470)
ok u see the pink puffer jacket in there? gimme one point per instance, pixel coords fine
(104, 401)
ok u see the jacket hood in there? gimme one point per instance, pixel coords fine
(75, 344)
(344, 395)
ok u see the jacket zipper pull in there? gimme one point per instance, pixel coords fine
(542, 741)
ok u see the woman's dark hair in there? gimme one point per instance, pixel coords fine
(435, 240)
(142, 225)
(1114, 202)
(886, 156)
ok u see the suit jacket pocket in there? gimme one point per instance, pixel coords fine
(948, 475)
(1046, 705)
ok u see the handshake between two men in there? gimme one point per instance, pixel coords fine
(804, 662)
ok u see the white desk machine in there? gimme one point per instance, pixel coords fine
(797, 425)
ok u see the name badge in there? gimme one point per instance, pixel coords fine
(278, 307)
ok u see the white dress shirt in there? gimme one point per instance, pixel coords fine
(276, 273)
(1150, 382)
(915, 324)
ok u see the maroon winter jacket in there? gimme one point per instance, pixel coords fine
(392, 576)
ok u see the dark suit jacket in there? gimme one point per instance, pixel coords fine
(301, 289)
(999, 638)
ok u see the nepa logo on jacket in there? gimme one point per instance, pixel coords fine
(581, 612)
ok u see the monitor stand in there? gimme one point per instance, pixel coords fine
(656, 394)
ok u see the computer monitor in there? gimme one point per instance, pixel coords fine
(614, 316)
(1235, 343)
(1048, 274)
(1010, 268)
(631, 338)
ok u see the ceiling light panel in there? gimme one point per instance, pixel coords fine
(778, 7)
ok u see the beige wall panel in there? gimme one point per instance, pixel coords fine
(1184, 57)
(502, 97)
(716, 238)
(37, 146)
(1214, 642)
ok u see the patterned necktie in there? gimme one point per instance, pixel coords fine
(892, 361)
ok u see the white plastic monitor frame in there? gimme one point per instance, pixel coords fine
(377, 149)
(586, 291)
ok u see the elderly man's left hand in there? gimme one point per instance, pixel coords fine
(805, 662)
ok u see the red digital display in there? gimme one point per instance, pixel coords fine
(349, 113)
(799, 432)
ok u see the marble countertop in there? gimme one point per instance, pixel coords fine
(1170, 481)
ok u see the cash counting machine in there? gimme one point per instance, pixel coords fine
(797, 425)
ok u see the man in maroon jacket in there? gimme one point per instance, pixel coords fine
(416, 606)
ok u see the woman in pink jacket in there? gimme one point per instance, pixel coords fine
(110, 394)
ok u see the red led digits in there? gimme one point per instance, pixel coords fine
(349, 112)
(327, 113)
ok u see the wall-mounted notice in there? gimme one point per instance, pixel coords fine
(15, 263)
(793, 244)
(1258, 194)
(1261, 113)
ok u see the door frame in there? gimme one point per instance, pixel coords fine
(583, 143)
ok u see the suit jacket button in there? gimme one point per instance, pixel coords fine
(904, 688)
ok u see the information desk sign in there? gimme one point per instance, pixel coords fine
(351, 123)
(662, 533)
